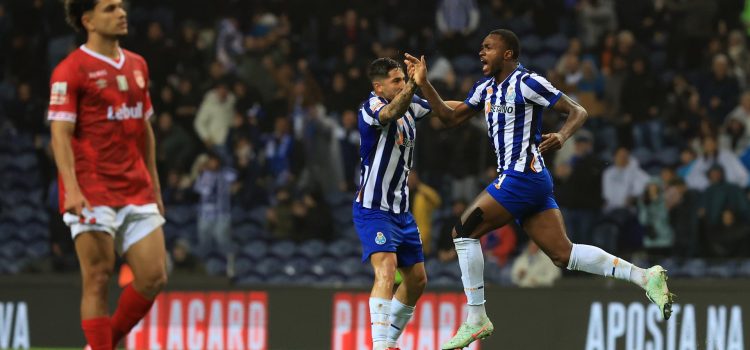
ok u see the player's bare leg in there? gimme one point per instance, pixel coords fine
(96, 255)
(548, 231)
(384, 264)
(483, 215)
(147, 258)
(404, 300)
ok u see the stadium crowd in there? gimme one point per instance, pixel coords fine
(256, 122)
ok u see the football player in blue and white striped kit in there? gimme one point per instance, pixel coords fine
(512, 99)
(390, 238)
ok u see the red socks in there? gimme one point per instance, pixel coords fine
(98, 332)
(131, 307)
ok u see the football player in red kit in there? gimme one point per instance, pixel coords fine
(109, 189)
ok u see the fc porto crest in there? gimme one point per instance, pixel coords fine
(139, 80)
(380, 238)
(510, 95)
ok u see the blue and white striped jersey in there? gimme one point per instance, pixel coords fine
(386, 153)
(513, 111)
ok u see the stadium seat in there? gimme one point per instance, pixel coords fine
(268, 267)
(282, 249)
(181, 214)
(12, 249)
(311, 249)
(342, 248)
(324, 266)
(37, 249)
(216, 266)
(296, 266)
(349, 267)
(743, 269)
(255, 250)
(726, 269)
(243, 265)
(249, 280)
(694, 268)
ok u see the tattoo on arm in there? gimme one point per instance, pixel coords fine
(398, 106)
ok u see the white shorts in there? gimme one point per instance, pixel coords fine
(127, 225)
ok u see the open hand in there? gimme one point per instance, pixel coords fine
(420, 68)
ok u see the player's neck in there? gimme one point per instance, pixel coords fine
(508, 68)
(105, 46)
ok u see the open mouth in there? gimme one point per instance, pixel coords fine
(484, 63)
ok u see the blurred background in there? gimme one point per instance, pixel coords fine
(256, 124)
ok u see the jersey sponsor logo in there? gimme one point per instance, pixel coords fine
(122, 83)
(380, 238)
(506, 109)
(98, 74)
(139, 80)
(59, 93)
(124, 112)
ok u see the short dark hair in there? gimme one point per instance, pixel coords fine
(510, 39)
(74, 10)
(380, 68)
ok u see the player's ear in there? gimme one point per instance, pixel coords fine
(508, 55)
(86, 21)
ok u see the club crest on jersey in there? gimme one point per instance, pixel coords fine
(101, 83)
(380, 238)
(59, 93)
(139, 80)
(510, 95)
(122, 83)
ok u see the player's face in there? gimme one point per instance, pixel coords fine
(108, 18)
(390, 87)
(492, 54)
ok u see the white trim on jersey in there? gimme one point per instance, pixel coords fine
(106, 59)
(62, 116)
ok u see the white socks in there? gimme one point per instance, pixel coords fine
(471, 261)
(594, 260)
(379, 309)
(400, 316)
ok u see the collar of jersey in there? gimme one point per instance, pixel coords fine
(106, 59)
(519, 66)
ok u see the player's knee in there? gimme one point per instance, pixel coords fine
(466, 228)
(96, 278)
(420, 283)
(560, 259)
(155, 282)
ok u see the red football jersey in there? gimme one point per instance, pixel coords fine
(109, 103)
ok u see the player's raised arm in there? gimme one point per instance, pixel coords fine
(577, 115)
(451, 114)
(396, 108)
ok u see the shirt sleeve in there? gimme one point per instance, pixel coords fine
(371, 111)
(539, 91)
(63, 97)
(476, 96)
(420, 107)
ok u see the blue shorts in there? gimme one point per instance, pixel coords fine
(524, 194)
(382, 231)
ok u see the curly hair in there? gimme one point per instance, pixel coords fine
(74, 10)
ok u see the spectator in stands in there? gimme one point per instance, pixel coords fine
(597, 17)
(312, 218)
(348, 136)
(445, 249)
(183, 261)
(175, 148)
(719, 90)
(533, 268)
(683, 205)
(653, 215)
(280, 217)
(214, 185)
(424, 201)
(623, 182)
(734, 172)
(186, 104)
(215, 117)
(742, 111)
(499, 244)
(726, 212)
(456, 21)
(579, 188)
(279, 152)
(640, 99)
(734, 136)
